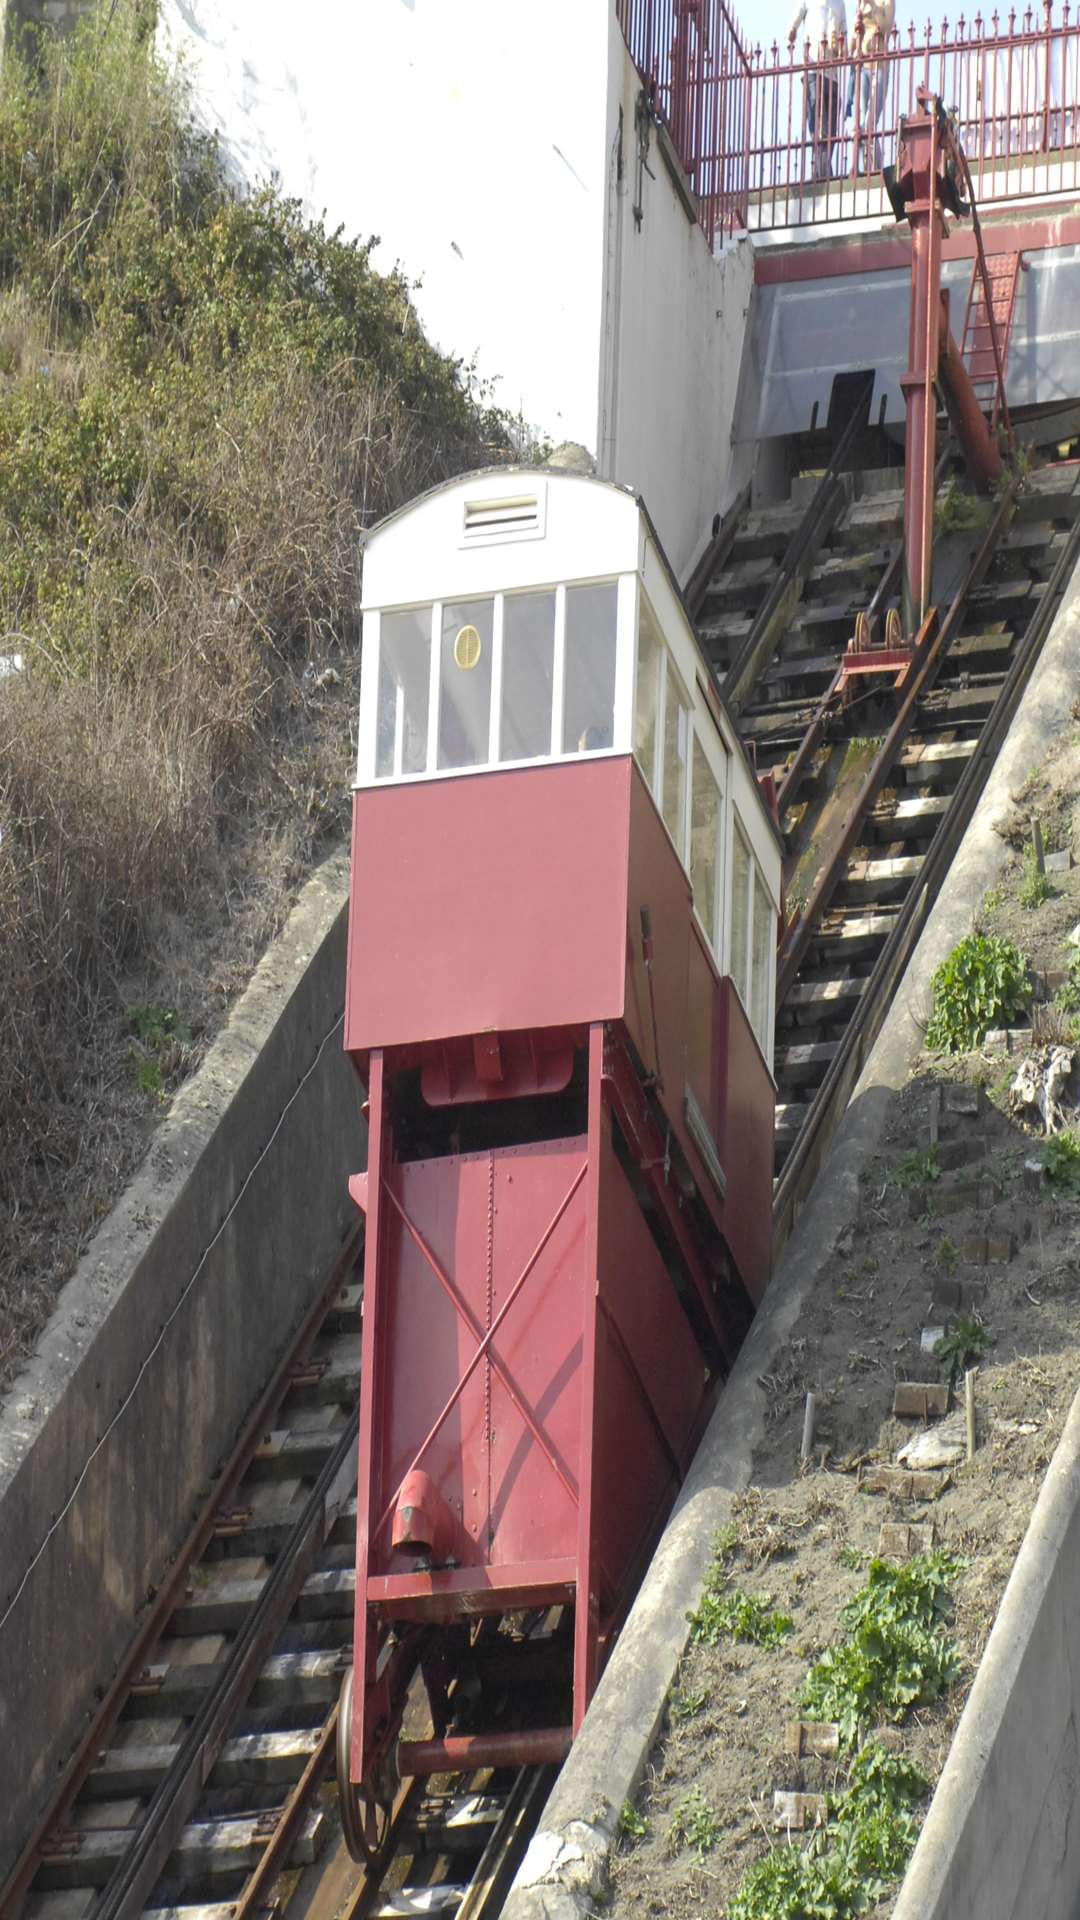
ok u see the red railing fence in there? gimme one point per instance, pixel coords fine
(696, 72)
(775, 138)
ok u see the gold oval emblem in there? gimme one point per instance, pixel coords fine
(467, 649)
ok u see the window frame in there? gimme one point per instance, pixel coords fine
(622, 718)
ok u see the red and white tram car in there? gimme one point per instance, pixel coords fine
(562, 938)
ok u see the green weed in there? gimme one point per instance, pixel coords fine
(896, 1653)
(1061, 1158)
(962, 1346)
(1034, 886)
(158, 1027)
(916, 1169)
(147, 1076)
(161, 1053)
(958, 511)
(948, 1254)
(686, 1703)
(852, 1862)
(694, 1824)
(982, 984)
(738, 1616)
(1067, 996)
(631, 1824)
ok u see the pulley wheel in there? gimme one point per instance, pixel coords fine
(862, 632)
(365, 1821)
(893, 630)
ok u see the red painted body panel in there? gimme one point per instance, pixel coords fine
(494, 902)
(650, 1381)
(481, 1216)
(532, 1386)
(747, 1122)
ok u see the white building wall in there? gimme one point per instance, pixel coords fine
(468, 134)
(674, 322)
(491, 144)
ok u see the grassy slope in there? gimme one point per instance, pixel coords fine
(203, 400)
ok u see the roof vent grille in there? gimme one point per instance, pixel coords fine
(510, 517)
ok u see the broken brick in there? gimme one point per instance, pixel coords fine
(898, 1541)
(820, 1737)
(921, 1400)
(797, 1811)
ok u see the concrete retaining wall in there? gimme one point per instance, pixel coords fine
(1016, 1774)
(163, 1338)
(1002, 1839)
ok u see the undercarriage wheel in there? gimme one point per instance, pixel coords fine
(862, 632)
(893, 630)
(365, 1821)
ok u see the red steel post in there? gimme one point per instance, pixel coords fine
(917, 171)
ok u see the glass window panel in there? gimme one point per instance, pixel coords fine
(704, 840)
(589, 682)
(740, 916)
(647, 691)
(528, 670)
(764, 944)
(401, 727)
(465, 683)
(676, 757)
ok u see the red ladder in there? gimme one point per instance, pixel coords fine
(983, 320)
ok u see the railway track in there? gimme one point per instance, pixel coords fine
(204, 1787)
(872, 811)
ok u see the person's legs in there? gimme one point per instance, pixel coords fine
(827, 129)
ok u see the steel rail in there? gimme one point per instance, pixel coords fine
(169, 1595)
(885, 590)
(255, 1897)
(827, 1108)
(168, 1809)
(830, 497)
(716, 553)
(931, 647)
(505, 1849)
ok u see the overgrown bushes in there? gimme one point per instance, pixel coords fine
(203, 401)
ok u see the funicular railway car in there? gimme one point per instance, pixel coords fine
(561, 959)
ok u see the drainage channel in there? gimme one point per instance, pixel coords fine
(202, 1788)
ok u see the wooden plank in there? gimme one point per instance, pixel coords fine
(287, 1679)
(224, 1604)
(251, 1757)
(205, 1850)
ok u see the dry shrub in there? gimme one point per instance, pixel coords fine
(204, 401)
